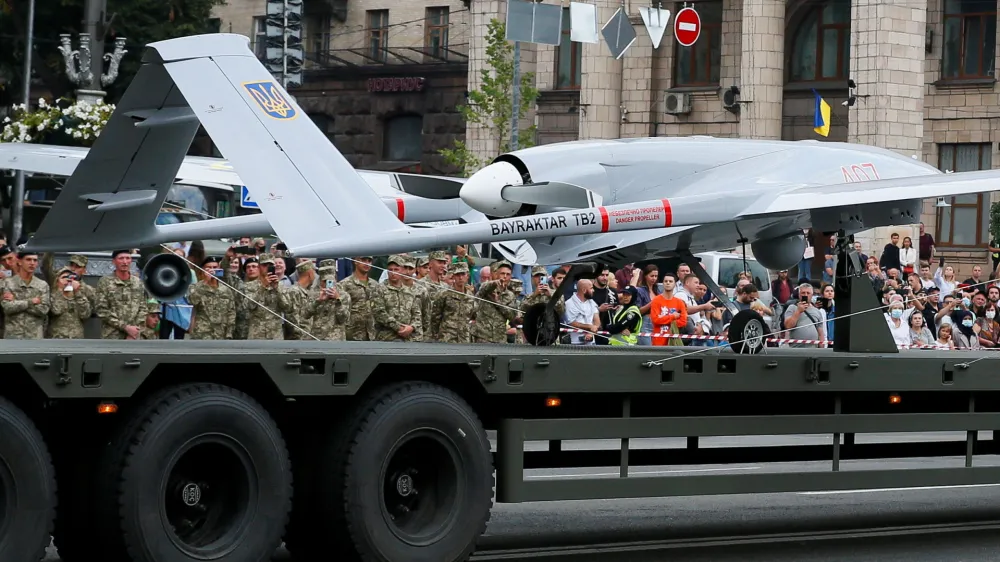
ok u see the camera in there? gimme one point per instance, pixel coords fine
(269, 269)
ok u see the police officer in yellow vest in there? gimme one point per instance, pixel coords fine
(627, 319)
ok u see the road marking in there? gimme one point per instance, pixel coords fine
(651, 472)
(876, 490)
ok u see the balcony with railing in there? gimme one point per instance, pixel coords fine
(377, 59)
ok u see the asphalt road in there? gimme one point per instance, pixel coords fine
(704, 528)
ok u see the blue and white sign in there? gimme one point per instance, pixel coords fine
(245, 201)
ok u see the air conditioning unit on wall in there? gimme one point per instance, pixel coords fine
(677, 103)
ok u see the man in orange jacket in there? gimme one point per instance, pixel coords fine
(667, 313)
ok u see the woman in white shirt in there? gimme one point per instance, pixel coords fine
(898, 326)
(945, 280)
(907, 257)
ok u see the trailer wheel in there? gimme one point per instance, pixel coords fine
(416, 482)
(748, 332)
(27, 488)
(204, 474)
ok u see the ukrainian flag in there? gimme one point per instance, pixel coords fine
(821, 119)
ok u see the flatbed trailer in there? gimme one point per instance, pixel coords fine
(173, 451)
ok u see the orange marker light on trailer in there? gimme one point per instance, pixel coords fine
(894, 399)
(553, 401)
(107, 408)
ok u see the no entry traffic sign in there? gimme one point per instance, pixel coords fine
(687, 26)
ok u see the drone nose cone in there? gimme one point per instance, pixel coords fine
(482, 191)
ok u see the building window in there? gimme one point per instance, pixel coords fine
(701, 63)
(403, 139)
(378, 34)
(436, 40)
(317, 34)
(967, 221)
(970, 39)
(259, 38)
(822, 44)
(569, 59)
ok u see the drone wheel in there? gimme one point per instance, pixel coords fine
(748, 332)
(536, 331)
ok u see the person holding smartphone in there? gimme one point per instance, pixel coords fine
(214, 314)
(329, 309)
(70, 307)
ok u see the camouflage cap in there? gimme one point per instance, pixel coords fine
(327, 271)
(327, 263)
(265, 259)
(305, 266)
(78, 260)
(64, 271)
(539, 270)
(152, 306)
(423, 261)
(396, 259)
(500, 263)
(439, 255)
(409, 262)
(516, 285)
(458, 268)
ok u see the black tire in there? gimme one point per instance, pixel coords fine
(537, 329)
(405, 426)
(748, 332)
(199, 451)
(27, 488)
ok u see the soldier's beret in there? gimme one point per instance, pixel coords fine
(265, 259)
(423, 261)
(210, 259)
(249, 261)
(327, 263)
(498, 264)
(458, 268)
(75, 259)
(4, 250)
(23, 254)
(539, 270)
(304, 266)
(439, 255)
(116, 253)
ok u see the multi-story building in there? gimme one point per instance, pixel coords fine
(382, 79)
(923, 71)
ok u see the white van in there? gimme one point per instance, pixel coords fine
(725, 269)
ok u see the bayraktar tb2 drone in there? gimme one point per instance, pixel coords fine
(617, 200)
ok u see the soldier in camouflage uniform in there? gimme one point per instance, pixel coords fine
(266, 303)
(433, 283)
(328, 310)
(214, 314)
(367, 303)
(151, 327)
(7, 259)
(494, 306)
(401, 304)
(231, 264)
(70, 307)
(25, 301)
(300, 295)
(452, 310)
(121, 300)
(78, 265)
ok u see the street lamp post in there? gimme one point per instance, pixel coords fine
(82, 70)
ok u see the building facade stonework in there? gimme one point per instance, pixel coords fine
(923, 70)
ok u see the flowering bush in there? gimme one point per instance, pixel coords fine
(64, 123)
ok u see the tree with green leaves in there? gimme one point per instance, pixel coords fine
(140, 21)
(491, 106)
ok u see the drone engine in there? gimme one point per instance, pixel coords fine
(783, 252)
(484, 190)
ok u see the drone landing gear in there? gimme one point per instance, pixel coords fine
(748, 332)
(541, 322)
